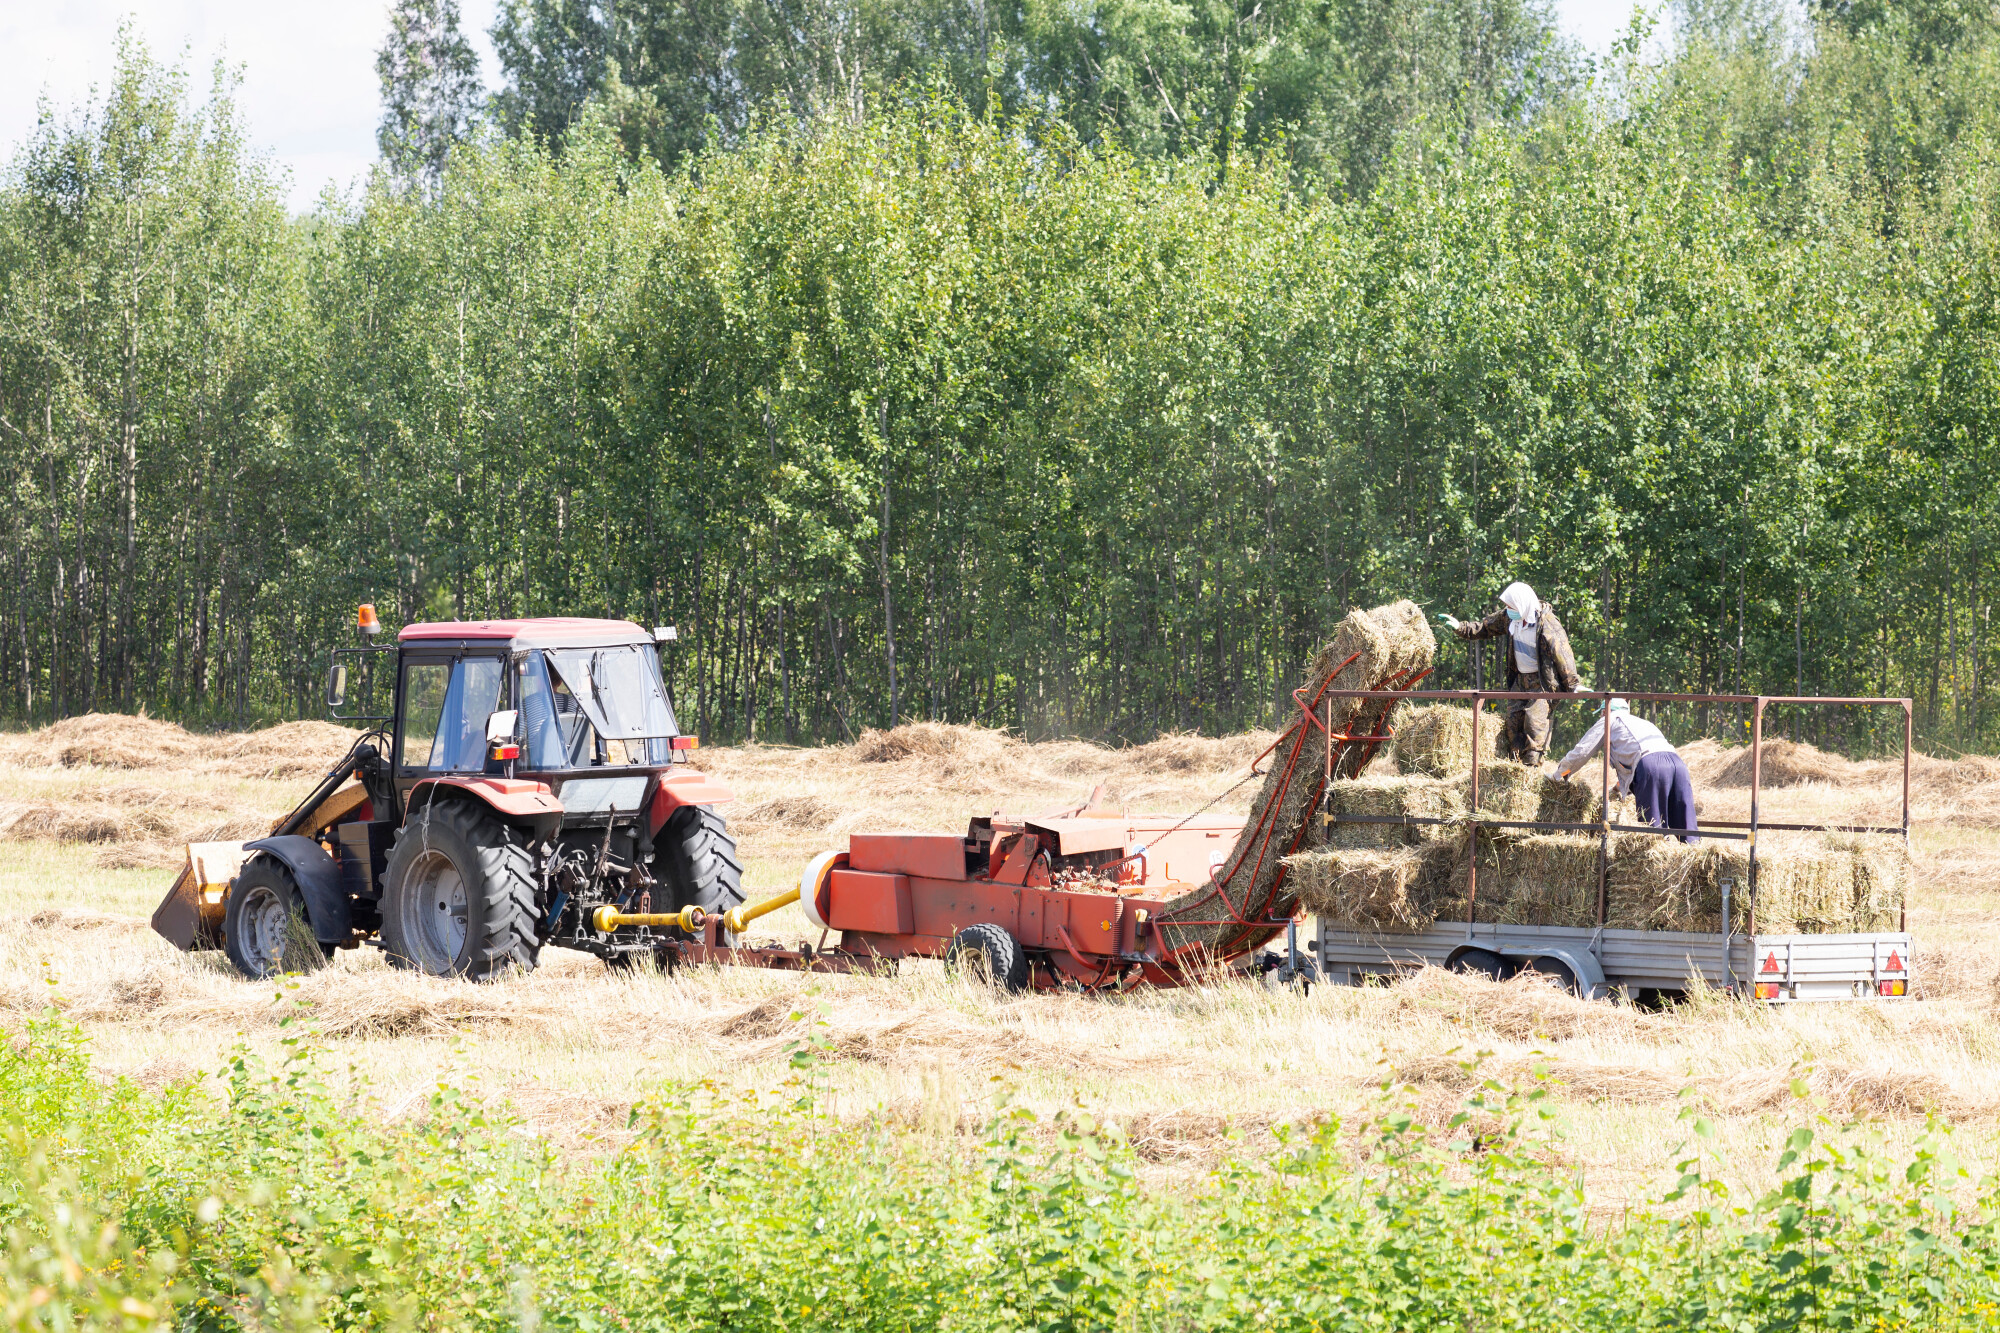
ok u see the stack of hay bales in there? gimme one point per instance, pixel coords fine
(1407, 877)
(1807, 884)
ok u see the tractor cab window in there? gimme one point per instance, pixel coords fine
(594, 707)
(445, 706)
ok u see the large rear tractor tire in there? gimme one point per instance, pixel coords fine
(986, 954)
(264, 927)
(458, 897)
(697, 862)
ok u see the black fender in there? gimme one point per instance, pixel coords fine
(318, 876)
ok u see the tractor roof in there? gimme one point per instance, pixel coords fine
(546, 632)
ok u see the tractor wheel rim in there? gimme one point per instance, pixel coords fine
(441, 906)
(265, 924)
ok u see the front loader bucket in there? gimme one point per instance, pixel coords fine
(190, 916)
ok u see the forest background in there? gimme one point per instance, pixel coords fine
(1068, 367)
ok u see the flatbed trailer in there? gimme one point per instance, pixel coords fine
(1634, 964)
(1600, 962)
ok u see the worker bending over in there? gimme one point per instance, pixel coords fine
(1540, 660)
(1650, 770)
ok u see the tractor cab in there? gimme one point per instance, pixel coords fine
(526, 783)
(576, 707)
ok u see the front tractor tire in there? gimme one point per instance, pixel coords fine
(264, 927)
(458, 896)
(698, 863)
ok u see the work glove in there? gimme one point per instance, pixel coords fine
(1450, 622)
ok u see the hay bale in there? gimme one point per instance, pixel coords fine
(1429, 798)
(1508, 790)
(1666, 884)
(1435, 740)
(1396, 889)
(1369, 650)
(1538, 879)
(1882, 874)
(1804, 885)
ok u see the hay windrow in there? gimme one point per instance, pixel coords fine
(1435, 740)
(1369, 650)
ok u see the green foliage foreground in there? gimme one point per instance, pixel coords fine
(289, 1208)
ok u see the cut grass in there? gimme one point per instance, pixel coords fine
(1192, 1075)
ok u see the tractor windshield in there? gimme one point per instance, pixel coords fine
(590, 707)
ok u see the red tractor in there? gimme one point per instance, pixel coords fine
(528, 785)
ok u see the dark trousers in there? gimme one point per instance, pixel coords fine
(1665, 792)
(1526, 737)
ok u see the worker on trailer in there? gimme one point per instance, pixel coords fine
(1540, 660)
(1650, 770)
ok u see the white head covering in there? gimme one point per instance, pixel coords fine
(1621, 705)
(1521, 598)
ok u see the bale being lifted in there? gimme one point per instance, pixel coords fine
(1386, 648)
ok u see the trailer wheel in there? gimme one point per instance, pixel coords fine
(264, 926)
(987, 954)
(1554, 971)
(697, 861)
(1482, 963)
(458, 897)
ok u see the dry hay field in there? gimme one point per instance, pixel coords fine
(92, 811)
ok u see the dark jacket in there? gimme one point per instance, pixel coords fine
(1558, 671)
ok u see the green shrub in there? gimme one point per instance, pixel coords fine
(276, 1206)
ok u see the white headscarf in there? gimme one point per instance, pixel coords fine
(1520, 597)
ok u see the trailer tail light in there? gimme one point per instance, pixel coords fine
(506, 750)
(687, 742)
(366, 621)
(1891, 988)
(1769, 990)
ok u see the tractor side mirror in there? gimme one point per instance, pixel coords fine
(336, 685)
(666, 634)
(500, 726)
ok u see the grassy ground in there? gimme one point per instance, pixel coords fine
(1191, 1075)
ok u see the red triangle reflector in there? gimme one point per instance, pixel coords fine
(1895, 961)
(1771, 962)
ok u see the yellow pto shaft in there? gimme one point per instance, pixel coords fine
(690, 919)
(736, 918)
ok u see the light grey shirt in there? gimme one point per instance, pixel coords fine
(1527, 653)
(1632, 739)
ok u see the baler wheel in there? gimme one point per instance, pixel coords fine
(697, 861)
(264, 926)
(986, 953)
(458, 896)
